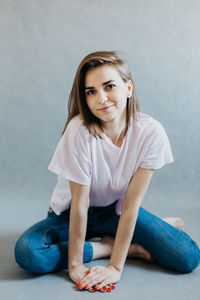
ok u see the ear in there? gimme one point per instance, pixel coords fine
(129, 88)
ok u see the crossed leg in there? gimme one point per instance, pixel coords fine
(104, 247)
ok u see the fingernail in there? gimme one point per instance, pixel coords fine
(109, 289)
(86, 286)
(80, 286)
(113, 286)
(78, 283)
(96, 287)
(103, 289)
(92, 290)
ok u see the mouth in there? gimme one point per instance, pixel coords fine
(106, 108)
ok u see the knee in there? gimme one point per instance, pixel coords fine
(190, 261)
(27, 255)
(190, 264)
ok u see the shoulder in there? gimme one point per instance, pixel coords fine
(76, 129)
(75, 124)
(147, 125)
(143, 120)
(76, 137)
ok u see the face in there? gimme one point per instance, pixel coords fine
(106, 93)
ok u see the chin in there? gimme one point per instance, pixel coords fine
(104, 117)
(107, 118)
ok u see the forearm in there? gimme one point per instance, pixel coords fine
(123, 237)
(134, 196)
(77, 232)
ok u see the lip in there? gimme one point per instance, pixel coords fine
(105, 108)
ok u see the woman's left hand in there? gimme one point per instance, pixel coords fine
(100, 276)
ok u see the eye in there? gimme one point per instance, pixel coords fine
(110, 86)
(90, 92)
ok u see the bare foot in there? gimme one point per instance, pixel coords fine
(175, 221)
(136, 250)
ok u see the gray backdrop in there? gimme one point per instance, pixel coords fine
(42, 44)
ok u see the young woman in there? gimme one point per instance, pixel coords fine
(104, 163)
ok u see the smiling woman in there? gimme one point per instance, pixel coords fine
(82, 90)
(104, 163)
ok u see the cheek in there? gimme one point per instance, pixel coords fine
(120, 99)
(90, 104)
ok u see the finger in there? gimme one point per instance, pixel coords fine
(95, 281)
(104, 283)
(86, 279)
(108, 288)
(91, 290)
(92, 279)
(111, 285)
(80, 287)
(103, 290)
(86, 273)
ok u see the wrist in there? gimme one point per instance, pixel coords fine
(73, 266)
(116, 268)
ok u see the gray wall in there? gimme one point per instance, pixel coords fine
(42, 43)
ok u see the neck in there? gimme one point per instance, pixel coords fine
(115, 129)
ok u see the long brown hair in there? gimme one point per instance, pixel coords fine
(77, 101)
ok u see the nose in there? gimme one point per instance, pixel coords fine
(102, 96)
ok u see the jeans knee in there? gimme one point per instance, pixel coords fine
(26, 256)
(190, 264)
(191, 261)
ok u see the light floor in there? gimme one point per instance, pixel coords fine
(140, 280)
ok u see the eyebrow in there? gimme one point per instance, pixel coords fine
(104, 83)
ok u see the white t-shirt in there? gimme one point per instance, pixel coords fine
(107, 168)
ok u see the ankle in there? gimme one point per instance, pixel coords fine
(101, 250)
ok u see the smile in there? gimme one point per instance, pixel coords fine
(106, 108)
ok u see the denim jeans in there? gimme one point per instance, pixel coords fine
(43, 248)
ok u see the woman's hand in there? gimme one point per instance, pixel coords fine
(78, 273)
(100, 277)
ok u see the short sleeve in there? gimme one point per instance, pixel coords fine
(71, 158)
(158, 150)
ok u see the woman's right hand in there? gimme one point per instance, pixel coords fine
(77, 273)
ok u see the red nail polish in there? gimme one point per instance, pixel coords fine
(103, 289)
(86, 286)
(113, 286)
(80, 286)
(92, 290)
(96, 287)
(109, 289)
(78, 283)
(88, 273)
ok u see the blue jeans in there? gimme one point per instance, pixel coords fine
(43, 248)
